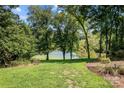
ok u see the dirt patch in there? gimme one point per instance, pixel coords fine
(24, 65)
(117, 81)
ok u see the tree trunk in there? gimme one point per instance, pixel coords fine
(71, 54)
(47, 41)
(47, 56)
(86, 36)
(100, 44)
(63, 54)
(106, 42)
(88, 50)
(121, 36)
(110, 35)
(123, 33)
(116, 34)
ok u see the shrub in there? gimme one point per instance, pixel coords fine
(38, 58)
(109, 70)
(121, 70)
(20, 62)
(120, 53)
(104, 60)
(103, 55)
(93, 54)
(113, 70)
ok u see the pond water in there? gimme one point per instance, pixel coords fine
(59, 55)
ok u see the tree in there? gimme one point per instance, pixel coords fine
(14, 41)
(108, 22)
(40, 21)
(60, 37)
(72, 28)
(81, 15)
(66, 34)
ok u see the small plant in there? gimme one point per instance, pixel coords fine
(103, 55)
(108, 70)
(113, 70)
(121, 70)
(120, 53)
(37, 59)
(104, 60)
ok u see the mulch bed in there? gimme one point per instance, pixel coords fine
(117, 81)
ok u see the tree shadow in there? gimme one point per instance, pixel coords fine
(68, 60)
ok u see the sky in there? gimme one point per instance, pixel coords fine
(22, 11)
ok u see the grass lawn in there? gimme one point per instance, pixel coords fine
(51, 75)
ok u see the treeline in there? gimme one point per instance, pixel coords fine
(47, 30)
(44, 32)
(105, 21)
(108, 21)
(53, 30)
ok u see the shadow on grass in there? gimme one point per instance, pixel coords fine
(69, 61)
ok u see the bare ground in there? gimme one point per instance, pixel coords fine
(117, 81)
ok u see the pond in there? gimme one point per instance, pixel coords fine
(59, 55)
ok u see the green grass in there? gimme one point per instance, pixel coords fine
(55, 74)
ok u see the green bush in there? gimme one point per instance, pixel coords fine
(93, 54)
(121, 70)
(38, 58)
(103, 55)
(119, 53)
(104, 60)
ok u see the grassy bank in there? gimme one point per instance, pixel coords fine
(51, 75)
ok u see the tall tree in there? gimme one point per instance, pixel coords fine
(81, 15)
(13, 39)
(40, 21)
(72, 28)
(61, 33)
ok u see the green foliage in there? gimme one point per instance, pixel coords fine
(104, 60)
(15, 37)
(121, 70)
(80, 13)
(93, 54)
(40, 21)
(38, 58)
(107, 21)
(101, 26)
(82, 50)
(94, 42)
(119, 53)
(67, 36)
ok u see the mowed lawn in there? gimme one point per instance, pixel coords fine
(51, 75)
